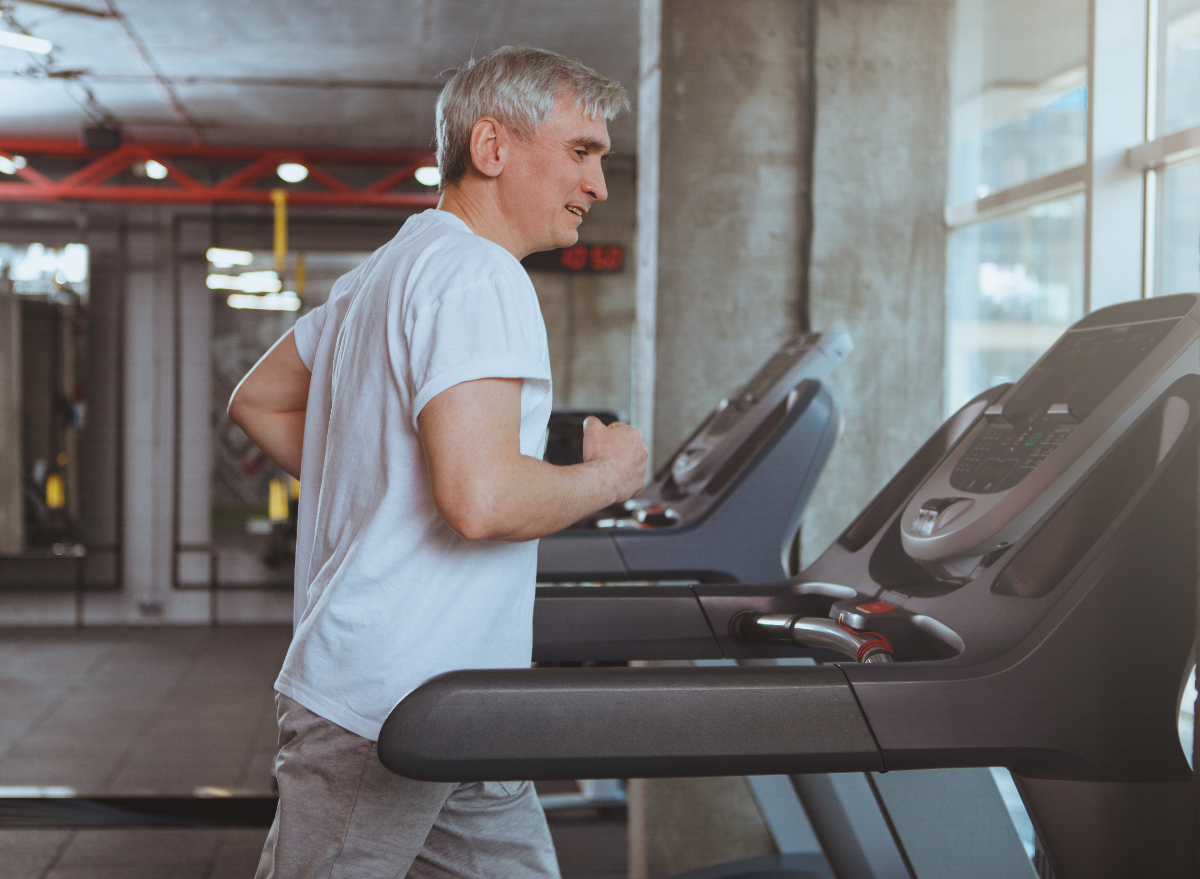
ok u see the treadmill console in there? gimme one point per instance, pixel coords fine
(1029, 447)
(1073, 379)
(725, 506)
(697, 460)
(727, 439)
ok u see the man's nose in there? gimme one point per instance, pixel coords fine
(593, 184)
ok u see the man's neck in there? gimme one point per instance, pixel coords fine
(477, 206)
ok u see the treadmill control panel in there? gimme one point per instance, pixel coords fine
(993, 486)
(1078, 374)
(700, 455)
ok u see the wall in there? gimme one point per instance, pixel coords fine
(879, 239)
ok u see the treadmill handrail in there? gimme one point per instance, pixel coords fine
(626, 722)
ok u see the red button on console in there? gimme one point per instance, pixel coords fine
(875, 607)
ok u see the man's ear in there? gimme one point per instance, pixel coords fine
(487, 146)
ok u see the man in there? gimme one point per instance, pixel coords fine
(413, 407)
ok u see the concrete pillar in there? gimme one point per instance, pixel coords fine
(733, 215)
(732, 228)
(879, 238)
(149, 396)
(12, 507)
(679, 824)
(147, 443)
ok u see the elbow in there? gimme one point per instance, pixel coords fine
(473, 517)
(476, 529)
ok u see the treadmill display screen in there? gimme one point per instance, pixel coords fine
(1076, 377)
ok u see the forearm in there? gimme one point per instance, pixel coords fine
(269, 404)
(485, 489)
(534, 499)
(279, 434)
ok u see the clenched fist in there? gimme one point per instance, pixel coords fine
(619, 450)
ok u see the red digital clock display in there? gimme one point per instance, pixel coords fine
(582, 258)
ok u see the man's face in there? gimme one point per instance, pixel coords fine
(551, 181)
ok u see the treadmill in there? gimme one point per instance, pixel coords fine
(725, 506)
(1021, 594)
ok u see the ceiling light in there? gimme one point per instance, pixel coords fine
(285, 301)
(11, 165)
(224, 258)
(155, 170)
(26, 43)
(291, 172)
(428, 176)
(246, 282)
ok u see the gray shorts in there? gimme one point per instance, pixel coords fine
(342, 815)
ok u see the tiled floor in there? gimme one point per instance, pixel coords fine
(164, 711)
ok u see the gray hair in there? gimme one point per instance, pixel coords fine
(517, 87)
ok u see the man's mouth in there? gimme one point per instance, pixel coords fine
(575, 210)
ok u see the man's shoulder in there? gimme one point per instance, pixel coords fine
(452, 257)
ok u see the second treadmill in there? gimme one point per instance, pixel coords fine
(726, 504)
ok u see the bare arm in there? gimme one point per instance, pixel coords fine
(269, 404)
(485, 489)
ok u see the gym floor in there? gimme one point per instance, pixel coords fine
(129, 713)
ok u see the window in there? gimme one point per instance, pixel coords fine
(1075, 126)
(1180, 239)
(1015, 265)
(1015, 284)
(1019, 89)
(1180, 96)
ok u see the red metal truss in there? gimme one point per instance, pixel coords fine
(251, 180)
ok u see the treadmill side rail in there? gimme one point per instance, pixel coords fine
(628, 722)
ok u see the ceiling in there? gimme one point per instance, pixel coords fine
(353, 74)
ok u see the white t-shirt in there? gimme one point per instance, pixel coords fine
(387, 595)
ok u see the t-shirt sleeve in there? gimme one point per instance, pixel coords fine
(488, 329)
(307, 333)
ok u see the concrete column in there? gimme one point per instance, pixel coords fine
(732, 231)
(12, 508)
(879, 239)
(649, 124)
(148, 436)
(680, 824)
(733, 215)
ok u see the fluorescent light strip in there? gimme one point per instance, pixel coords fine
(224, 258)
(246, 282)
(285, 301)
(26, 43)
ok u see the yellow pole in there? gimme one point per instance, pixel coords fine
(279, 197)
(301, 273)
(277, 504)
(56, 496)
